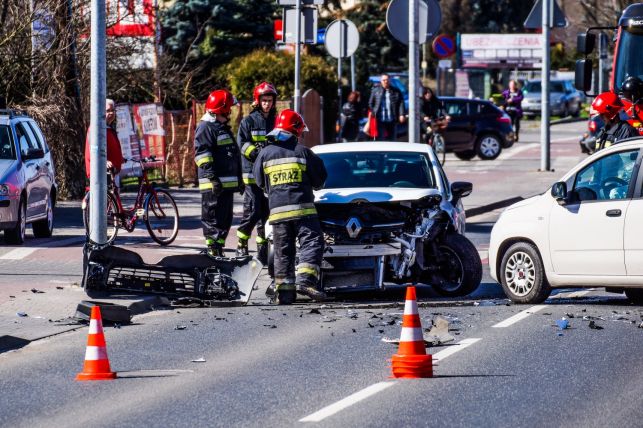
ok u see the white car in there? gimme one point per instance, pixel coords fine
(587, 231)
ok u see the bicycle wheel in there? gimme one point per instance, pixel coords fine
(161, 216)
(439, 148)
(112, 215)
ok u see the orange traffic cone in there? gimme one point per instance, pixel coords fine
(96, 361)
(411, 360)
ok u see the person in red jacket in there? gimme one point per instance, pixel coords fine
(114, 153)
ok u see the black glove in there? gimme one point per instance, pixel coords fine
(217, 187)
(242, 187)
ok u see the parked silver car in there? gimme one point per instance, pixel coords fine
(564, 99)
(27, 178)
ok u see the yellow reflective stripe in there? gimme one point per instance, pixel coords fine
(242, 235)
(292, 214)
(284, 167)
(261, 240)
(201, 160)
(221, 241)
(259, 138)
(249, 180)
(283, 161)
(229, 184)
(285, 287)
(224, 140)
(249, 150)
(209, 241)
(206, 186)
(309, 271)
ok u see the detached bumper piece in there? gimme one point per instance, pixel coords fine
(229, 282)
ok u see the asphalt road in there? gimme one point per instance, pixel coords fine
(283, 366)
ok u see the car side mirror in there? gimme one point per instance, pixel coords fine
(33, 153)
(559, 192)
(460, 189)
(585, 43)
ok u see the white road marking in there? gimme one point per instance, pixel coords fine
(21, 253)
(519, 316)
(519, 150)
(381, 386)
(572, 294)
(347, 402)
(454, 348)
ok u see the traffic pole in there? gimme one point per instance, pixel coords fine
(413, 124)
(353, 73)
(339, 79)
(97, 137)
(297, 55)
(545, 161)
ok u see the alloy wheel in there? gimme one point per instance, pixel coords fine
(520, 273)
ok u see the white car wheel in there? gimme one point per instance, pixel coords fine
(522, 274)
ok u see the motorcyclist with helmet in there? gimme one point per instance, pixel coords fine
(252, 138)
(289, 172)
(219, 169)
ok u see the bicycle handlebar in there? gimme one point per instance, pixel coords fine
(141, 160)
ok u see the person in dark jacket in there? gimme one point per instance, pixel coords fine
(351, 115)
(219, 169)
(387, 105)
(289, 172)
(608, 105)
(252, 138)
(513, 105)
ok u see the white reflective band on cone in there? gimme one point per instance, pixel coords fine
(95, 353)
(95, 326)
(410, 334)
(410, 307)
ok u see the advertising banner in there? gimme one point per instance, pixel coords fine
(129, 141)
(130, 18)
(501, 50)
(151, 134)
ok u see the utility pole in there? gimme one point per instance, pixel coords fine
(413, 124)
(157, 53)
(545, 161)
(97, 136)
(353, 72)
(339, 77)
(297, 55)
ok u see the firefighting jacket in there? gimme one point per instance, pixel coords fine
(612, 134)
(251, 138)
(216, 155)
(289, 172)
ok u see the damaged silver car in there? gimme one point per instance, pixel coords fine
(391, 217)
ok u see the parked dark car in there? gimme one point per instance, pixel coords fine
(477, 127)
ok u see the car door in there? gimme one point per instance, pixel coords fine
(46, 163)
(32, 170)
(586, 237)
(457, 134)
(633, 231)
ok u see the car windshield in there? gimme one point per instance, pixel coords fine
(629, 61)
(378, 169)
(7, 150)
(535, 88)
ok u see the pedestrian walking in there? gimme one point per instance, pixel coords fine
(289, 172)
(252, 138)
(219, 169)
(351, 116)
(387, 106)
(513, 105)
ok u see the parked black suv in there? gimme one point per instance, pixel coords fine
(477, 127)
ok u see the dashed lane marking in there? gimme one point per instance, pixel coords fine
(22, 252)
(519, 316)
(378, 387)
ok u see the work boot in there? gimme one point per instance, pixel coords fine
(262, 253)
(271, 291)
(314, 293)
(215, 250)
(242, 248)
(286, 294)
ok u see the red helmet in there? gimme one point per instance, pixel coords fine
(290, 121)
(264, 88)
(220, 102)
(608, 104)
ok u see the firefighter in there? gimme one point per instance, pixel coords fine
(289, 172)
(219, 168)
(251, 138)
(608, 105)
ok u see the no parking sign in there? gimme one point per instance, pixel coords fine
(443, 46)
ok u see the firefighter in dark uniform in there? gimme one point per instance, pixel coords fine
(251, 138)
(219, 169)
(289, 172)
(608, 105)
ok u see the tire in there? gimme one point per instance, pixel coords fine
(488, 147)
(45, 228)
(161, 217)
(565, 112)
(112, 212)
(16, 235)
(635, 295)
(439, 147)
(461, 272)
(466, 155)
(522, 274)
(577, 112)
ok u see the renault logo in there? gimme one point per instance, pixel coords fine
(353, 227)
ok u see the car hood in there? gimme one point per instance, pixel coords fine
(373, 194)
(524, 203)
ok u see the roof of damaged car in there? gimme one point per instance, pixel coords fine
(370, 146)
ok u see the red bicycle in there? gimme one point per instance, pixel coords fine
(156, 207)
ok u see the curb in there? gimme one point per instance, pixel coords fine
(472, 212)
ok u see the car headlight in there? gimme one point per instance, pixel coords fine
(4, 190)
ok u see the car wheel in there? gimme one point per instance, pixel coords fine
(565, 112)
(522, 274)
(576, 112)
(16, 235)
(459, 269)
(466, 155)
(488, 147)
(45, 227)
(635, 295)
